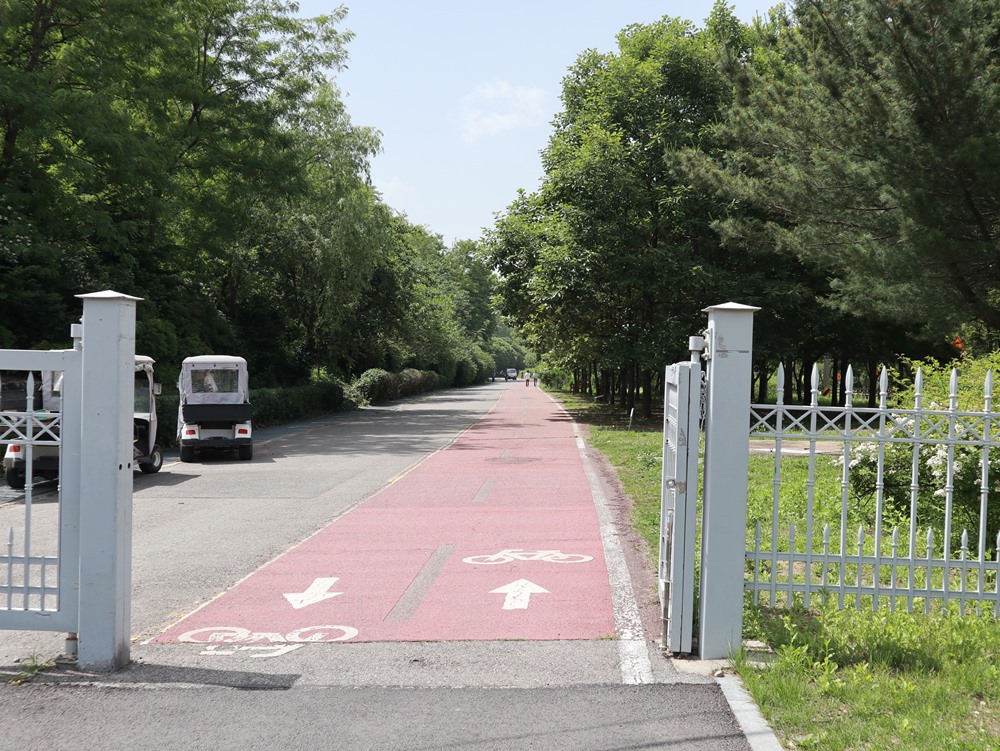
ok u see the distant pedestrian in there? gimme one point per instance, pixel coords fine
(536, 380)
(527, 379)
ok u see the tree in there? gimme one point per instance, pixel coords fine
(612, 259)
(311, 252)
(71, 160)
(871, 149)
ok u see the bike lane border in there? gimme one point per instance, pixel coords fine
(514, 457)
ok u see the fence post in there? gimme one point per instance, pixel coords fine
(724, 512)
(106, 480)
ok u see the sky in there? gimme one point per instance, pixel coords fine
(464, 92)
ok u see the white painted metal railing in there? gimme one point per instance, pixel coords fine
(37, 591)
(877, 564)
(90, 559)
(850, 577)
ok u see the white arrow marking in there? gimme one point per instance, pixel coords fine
(518, 593)
(318, 591)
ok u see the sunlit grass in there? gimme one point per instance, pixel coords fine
(839, 680)
(878, 680)
(636, 455)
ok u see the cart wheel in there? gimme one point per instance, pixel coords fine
(154, 463)
(15, 478)
(246, 452)
(187, 453)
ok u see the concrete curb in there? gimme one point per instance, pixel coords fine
(744, 709)
(751, 721)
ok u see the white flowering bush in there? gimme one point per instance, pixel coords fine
(930, 481)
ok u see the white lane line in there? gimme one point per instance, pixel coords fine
(633, 653)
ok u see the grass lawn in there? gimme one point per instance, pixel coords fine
(840, 680)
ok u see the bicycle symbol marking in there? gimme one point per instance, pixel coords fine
(239, 635)
(515, 554)
(254, 650)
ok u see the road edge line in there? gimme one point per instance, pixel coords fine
(633, 652)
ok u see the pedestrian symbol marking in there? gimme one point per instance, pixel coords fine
(270, 650)
(239, 635)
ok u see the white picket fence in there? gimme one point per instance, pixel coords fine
(876, 564)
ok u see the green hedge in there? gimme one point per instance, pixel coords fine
(376, 385)
(275, 406)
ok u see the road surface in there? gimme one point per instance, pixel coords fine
(446, 572)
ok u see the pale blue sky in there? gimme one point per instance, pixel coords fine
(464, 92)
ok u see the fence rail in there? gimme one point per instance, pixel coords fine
(924, 463)
(32, 581)
(859, 578)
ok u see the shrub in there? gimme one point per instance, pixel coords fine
(271, 406)
(376, 385)
(931, 483)
(933, 460)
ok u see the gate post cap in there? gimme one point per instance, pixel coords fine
(734, 307)
(108, 294)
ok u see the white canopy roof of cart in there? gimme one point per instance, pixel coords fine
(214, 379)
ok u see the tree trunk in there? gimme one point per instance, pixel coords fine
(840, 380)
(789, 386)
(647, 394)
(763, 373)
(872, 383)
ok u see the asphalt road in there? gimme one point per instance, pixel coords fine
(201, 528)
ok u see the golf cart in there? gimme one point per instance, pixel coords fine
(47, 399)
(214, 409)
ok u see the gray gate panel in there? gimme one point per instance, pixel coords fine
(678, 504)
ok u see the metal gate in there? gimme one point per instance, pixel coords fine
(39, 579)
(678, 503)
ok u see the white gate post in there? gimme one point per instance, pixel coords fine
(106, 480)
(724, 512)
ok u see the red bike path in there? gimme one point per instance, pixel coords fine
(494, 537)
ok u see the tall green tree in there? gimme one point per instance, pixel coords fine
(309, 254)
(869, 142)
(135, 139)
(617, 269)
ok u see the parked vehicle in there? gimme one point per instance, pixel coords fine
(47, 400)
(214, 410)
(146, 452)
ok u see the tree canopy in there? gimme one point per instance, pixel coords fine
(867, 138)
(832, 163)
(828, 164)
(198, 154)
